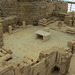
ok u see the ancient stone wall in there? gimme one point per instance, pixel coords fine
(31, 12)
(48, 61)
(69, 19)
(7, 21)
(71, 45)
(34, 11)
(8, 8)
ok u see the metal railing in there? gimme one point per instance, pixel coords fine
(71, 7)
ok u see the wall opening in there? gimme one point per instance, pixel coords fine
(55, 70)
(19, 23)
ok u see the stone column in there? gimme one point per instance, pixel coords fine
(1, 35)
(60, 24)
(23, 24)
(10, 29)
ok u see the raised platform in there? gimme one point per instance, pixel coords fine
(42, 34)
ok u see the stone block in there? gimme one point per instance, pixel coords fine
(43, 72)
(45, 53)
(22, 69)
(7, 49)
(5, 57)
(42, 22)
(28, 60)
(7, 70)
(50, 69)
(1, 54)
(70, 30)
(38, 67)
(63, 69)
(67, 19)
(3, 51)
(69, 44)
(17, 72)
(51, 59)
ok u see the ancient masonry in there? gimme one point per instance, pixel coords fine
(36, 12)
(69, 19)
(56, 57)
(31, 11)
